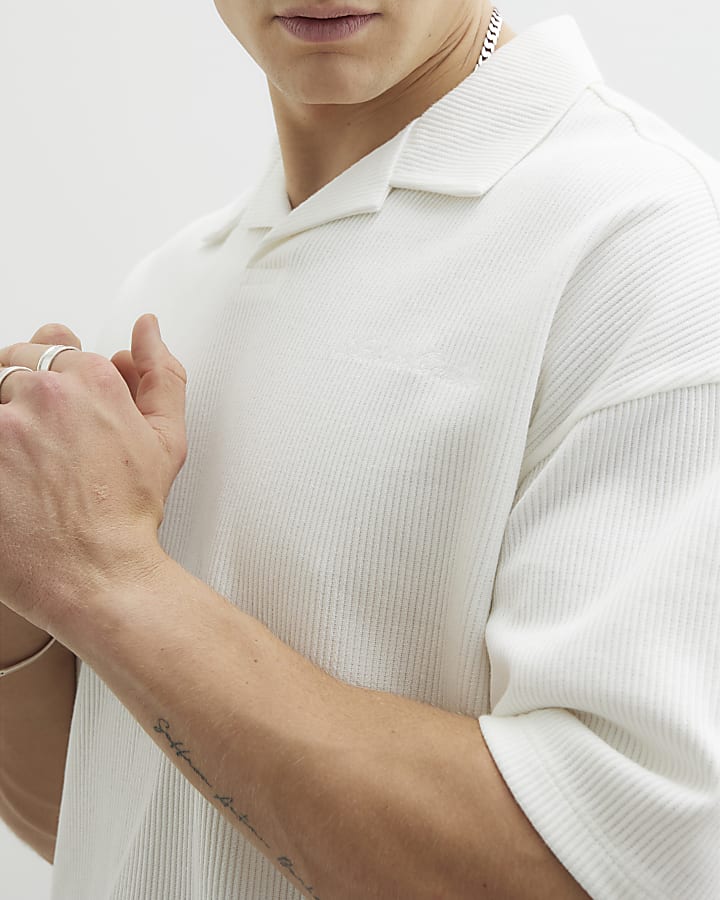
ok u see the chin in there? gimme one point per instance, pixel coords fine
(324, 90)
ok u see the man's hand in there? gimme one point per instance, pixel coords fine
(88, 454)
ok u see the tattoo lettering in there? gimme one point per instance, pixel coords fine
(160, 727)
(288, 864)
(163, 727)
(241, 817)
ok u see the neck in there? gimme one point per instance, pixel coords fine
(319, 141)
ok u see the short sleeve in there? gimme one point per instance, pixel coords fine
(604, 644)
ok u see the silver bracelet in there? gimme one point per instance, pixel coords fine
(26, 662)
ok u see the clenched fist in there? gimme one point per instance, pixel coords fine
(88, 454)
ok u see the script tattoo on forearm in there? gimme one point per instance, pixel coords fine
(163, 727)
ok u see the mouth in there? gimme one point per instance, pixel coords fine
(315, 29)
(322, 12)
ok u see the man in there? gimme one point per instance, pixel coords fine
(398, 576)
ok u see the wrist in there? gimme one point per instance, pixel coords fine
(124, 600)
(19, 638)
(125, 570)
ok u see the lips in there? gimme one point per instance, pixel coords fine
(337, 28)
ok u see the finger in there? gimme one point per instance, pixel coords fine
(163, 381)
(56, 334)
(123, 362)
(29, 355)
(10, 390)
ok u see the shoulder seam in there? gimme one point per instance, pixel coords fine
(650, 140)
(651, 395)
(593, 412)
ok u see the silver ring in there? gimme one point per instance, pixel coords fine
(46, 360)
(8, 370)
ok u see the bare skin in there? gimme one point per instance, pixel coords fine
(336, 102)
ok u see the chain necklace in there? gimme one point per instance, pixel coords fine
(491, 38)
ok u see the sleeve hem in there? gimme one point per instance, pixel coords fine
(530, 778)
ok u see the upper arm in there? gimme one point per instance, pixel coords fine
(604, 640)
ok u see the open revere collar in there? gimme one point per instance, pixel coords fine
(461, 145)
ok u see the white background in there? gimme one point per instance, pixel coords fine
(124, 121)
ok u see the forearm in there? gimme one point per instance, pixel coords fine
(350, 793)
(36, 704)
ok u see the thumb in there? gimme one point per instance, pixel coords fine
(161, 387)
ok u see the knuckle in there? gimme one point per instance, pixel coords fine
(103, 372)
(97, 364)
(49, 389)
(101, 363)
(89, 356)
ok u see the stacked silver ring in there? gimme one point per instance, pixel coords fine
(44, 363)
(491, 38)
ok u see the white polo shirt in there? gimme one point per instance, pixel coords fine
(454, 434)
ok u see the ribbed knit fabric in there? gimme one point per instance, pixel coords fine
(454, 433)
